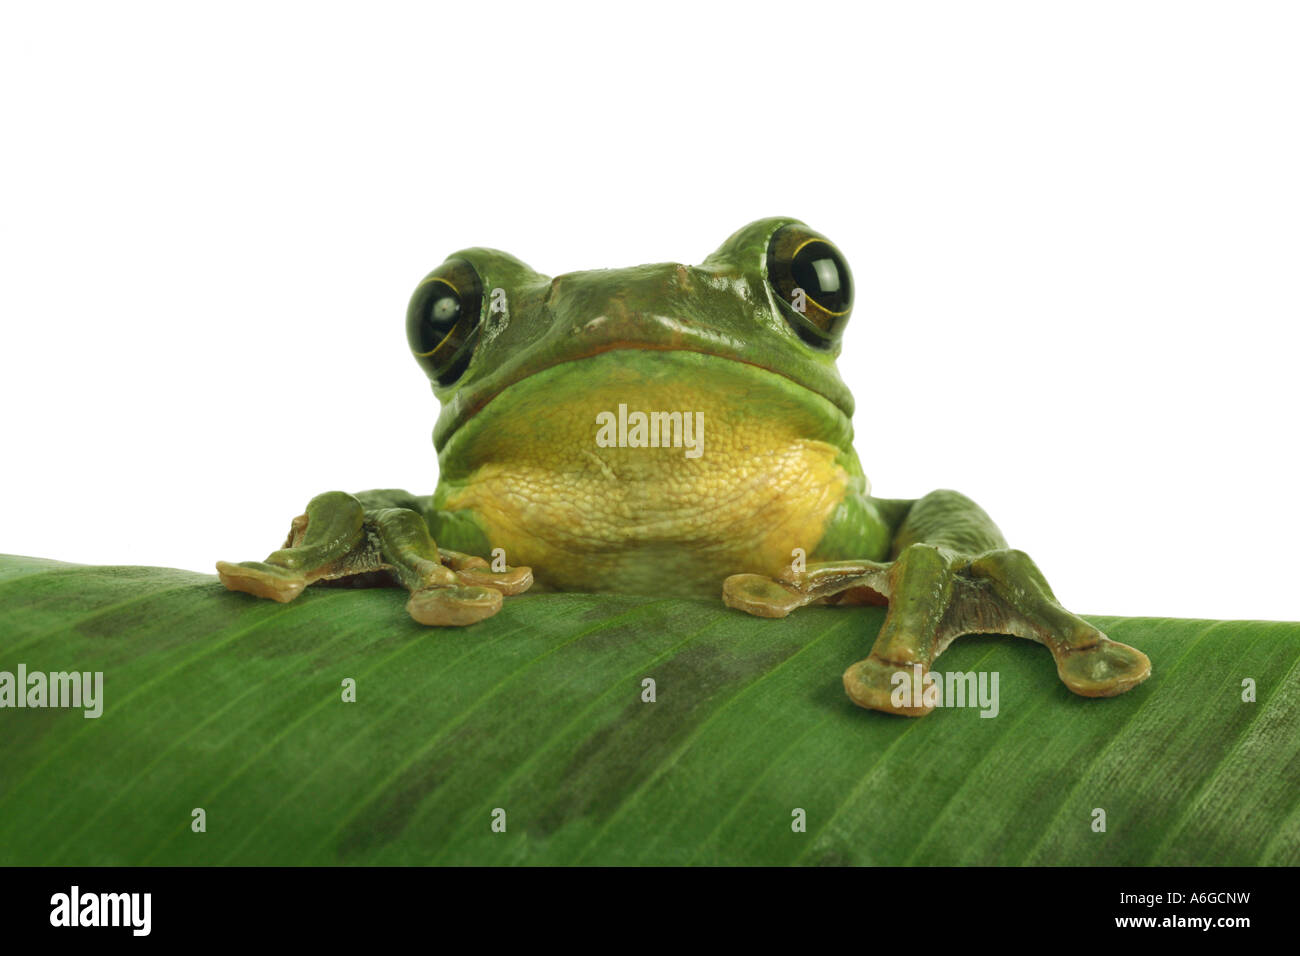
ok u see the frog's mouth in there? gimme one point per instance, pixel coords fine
(634, 335)
(562, 398)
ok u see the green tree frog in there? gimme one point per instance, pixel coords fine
(673, 430)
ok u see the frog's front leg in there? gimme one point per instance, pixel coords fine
(951, 574)
(378, 537)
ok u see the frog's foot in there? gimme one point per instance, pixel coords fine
(934, 597)
(340, 539)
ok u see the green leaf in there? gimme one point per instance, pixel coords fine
(220, 701)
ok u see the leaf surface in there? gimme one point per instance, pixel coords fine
(220, 701)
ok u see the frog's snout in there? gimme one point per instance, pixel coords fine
(600, 312)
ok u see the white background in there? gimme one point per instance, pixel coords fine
(1075, 230)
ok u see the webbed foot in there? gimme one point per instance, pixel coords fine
(338, 538)
(936, 595)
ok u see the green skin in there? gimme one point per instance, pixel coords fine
(516, 444)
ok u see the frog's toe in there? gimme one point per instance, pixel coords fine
(873, 683)
(453, 606)
(1104, 669)
(262, 580)
(760, 596)
(318, 546)
(510, 581)
(1020, 600)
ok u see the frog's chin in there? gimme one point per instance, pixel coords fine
(709, 376)
(560, 411)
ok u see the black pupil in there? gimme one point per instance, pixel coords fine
(441, 312)
(820, 272)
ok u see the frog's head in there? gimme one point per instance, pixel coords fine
(774, 297)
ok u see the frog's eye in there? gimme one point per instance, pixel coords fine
(442, 321)
(813, 282)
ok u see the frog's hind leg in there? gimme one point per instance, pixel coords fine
(952, 574)
(376, 538)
